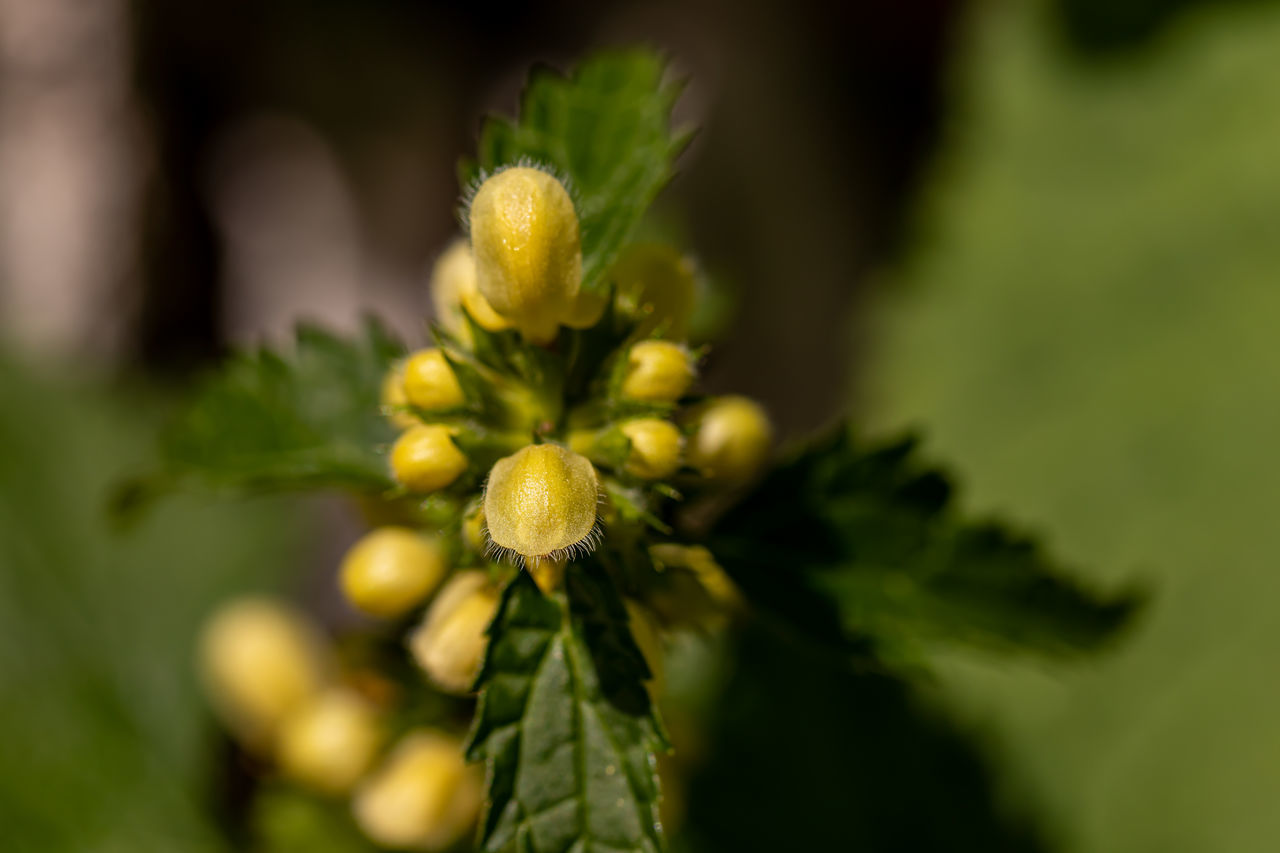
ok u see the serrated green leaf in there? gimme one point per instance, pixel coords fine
(607, 130)
(565, 723)
(854, 542)
(266, 421)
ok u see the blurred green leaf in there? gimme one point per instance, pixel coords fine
(607, 130)
(863, 543)
(266, 421)
(287, 820)
(565, 723)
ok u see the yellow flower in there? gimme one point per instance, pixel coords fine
(394, 399)
(541, 501)
(261, 662)
(391, 570)
(453, 288)
(424, 797)
(425, 458)
(527, 250)
(329, 744)
(429, 381)
(656, 446)
(449, 644)
(731, 440)
(657, 372)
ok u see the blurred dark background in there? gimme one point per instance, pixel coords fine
(1045, 231)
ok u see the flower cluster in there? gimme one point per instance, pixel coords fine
(549, 423)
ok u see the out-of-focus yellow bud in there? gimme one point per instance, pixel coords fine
(453, 287)
(391, 570)
(732, 439)
(473, 535)
(657, 372)
(548, 573)
(429, 381)
(425, 458)
(424, 797)
(655, 280)
(587, 309)
(656, 446)
(393, 399)
(450, 642)
(261, 661)
(528, 255)
(329, 743)
(541, 501)
(645, 633)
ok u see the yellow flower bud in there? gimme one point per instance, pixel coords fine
(449, 644)
(261, 661)
(391, 570)
(658, 283)
(732, 439)
(329, 744)
(656, 446)
(541, 501)
(393, 399)
(587, 309)
(429, 381)
(524, 237)
(424, 797)
(645, 633)
(453, 287)
(425, 458)
(473, 535)
(657, 372)
(547, 573)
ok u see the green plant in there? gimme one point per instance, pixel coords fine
(546, 465)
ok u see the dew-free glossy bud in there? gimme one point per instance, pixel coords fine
(525, 241)
(656, 447)
(424, 797)
(391, 570)
(330, 742)
(644, 630)
(394, 400)
(425, 458)
(541, 501)
(261, 661)
(450, 642)
(731, 440)
(429, 381)
(657, 372)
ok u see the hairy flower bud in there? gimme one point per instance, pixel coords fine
(657, 372)
(424, 797)
(329, 744)
(731, 440)
(394, 399)
(261, 661)
(450, 642)
(528, 256)
(541, 501)
(429, 381)
(656, 446)
(391, 570)
(425, 458)
(453, 288)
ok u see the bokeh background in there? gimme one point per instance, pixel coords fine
(1046, 233)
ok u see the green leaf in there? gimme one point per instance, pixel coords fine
(855, 544)
(607, 130)
(565, 723)
(265, 421)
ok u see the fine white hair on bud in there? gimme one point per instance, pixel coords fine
(541, 502)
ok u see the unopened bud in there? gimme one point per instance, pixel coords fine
(424, 797)
(425, 458)
(394, 400)
(329, 743)
(731, 440)
(429, 381)
(449, 644)
(524, 237)
(391, 570)
(656, 446)
(261, 661)
(453, 288)
(657, 372)
(541, 501)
